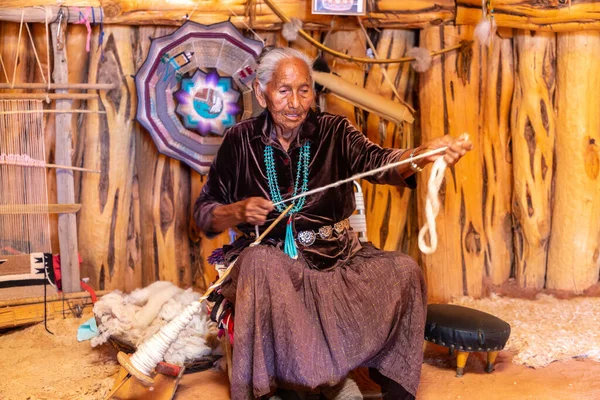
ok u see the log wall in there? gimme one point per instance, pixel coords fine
(509, 209)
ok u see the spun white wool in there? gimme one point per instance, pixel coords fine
(432, 206)
(118, 317)
(290, 29)
(422, 57)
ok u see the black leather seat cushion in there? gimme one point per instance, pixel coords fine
(465, 329)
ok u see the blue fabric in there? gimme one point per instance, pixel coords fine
(87, 330)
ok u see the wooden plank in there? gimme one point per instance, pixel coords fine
(497, 161)
(573, 256)
(67, 225)
(388, 207)
(449, 91)
(109, 146)
(533, 127)
(352, 43)
(552, 15)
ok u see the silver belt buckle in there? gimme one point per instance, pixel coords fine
(307, 238)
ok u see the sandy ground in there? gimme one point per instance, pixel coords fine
(36, 365)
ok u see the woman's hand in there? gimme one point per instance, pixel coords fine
(457, 148)
(254, 210)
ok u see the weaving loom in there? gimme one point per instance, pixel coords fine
(25, 247)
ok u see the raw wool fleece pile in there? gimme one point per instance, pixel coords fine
(136, 317)
(546, 329)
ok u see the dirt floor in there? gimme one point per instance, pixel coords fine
(35, 365)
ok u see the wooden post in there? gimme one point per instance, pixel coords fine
(497, 161)
(449, 96)
(533, 131)
(353, 43)
(573, 258)
(388, 207)
(109, 146)
(67, 224)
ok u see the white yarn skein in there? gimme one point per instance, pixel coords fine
(432, 206)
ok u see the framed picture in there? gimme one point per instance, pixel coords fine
(338, 7)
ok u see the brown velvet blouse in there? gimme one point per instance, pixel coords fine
(338, 150)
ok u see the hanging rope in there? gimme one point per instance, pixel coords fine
(363, 60)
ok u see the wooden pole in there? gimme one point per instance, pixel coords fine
(533, 127)
(573, 257)
(497, 161)
(67, 225)
(40, 209)
(54, 86)
(52, 96)
(449, 92)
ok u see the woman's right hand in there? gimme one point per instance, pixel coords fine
(254, 210)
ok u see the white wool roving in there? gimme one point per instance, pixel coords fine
(422, 57)
(290, 29)
(158, 296)
(120, 314)
(485, 30)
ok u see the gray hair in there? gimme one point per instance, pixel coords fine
(270, 58)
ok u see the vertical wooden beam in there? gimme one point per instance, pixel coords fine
(497, 161)
(574, 251)
(533, 127)
(105, 220)
(67, 224)
(451, 103)
(352, 43)
(388, 206)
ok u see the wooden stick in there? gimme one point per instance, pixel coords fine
(51, 96)
(116, 388)
(273, 224)
(57, 297)
(94, 171)
(364, 174)
(74, 111)
(256, 242)
(39, 209)
(65, 86)
(54, 166)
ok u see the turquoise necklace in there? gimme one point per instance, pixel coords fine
(301, 174)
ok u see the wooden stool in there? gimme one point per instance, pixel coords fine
(466, 330)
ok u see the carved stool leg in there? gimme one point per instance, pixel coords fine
(461, 361)
(491, 359)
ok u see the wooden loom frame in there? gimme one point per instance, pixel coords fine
(65, 207)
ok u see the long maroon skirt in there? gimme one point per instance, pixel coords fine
(301, 328)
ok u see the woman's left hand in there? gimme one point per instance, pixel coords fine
(457, 148)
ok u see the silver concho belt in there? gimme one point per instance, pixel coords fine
(308, 237)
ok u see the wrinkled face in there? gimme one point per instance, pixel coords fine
(289, 95)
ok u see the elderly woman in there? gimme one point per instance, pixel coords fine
(311, 302)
